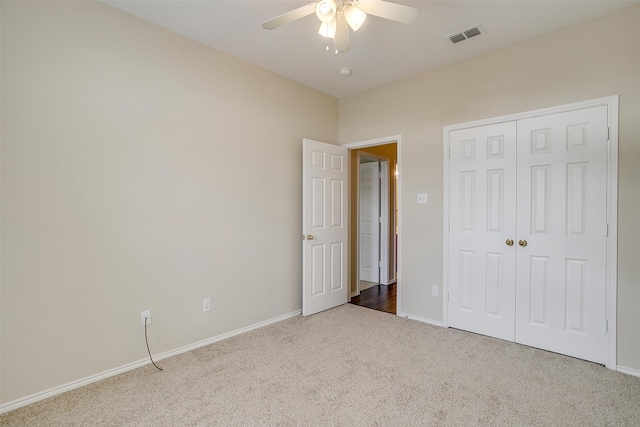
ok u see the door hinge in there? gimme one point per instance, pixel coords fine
(449, 228)
(607, 230)
(449, 155)
(606, 326)
(608, 133)
(379, 220)
(447, 296)
(379, 264)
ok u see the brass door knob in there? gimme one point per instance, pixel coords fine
(310, 237)
(509, 242)
(522, 243)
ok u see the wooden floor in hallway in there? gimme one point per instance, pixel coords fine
(379, 297)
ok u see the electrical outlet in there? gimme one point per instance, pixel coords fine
(434, 290)
(206, 304)
(422, 198)
(145, 315)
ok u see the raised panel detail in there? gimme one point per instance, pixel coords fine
(541, 141)
(365, 250)
(495, 200)
(317, 202)
(538, 290)
(574, 295)
(576, 199)
(468, 201)
(336, 266)
(493, 284)
(495, 147)
(467, 279)
(317, 270)
(337, 162)
(317, 159)
(337, 189)
(577, 137)
(468, 150)
(540, 199)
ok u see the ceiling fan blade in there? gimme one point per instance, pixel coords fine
(290, 16)
(341, 41)
(387, 10)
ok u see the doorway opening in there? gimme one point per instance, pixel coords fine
(374, 224)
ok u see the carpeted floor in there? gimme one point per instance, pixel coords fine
(351, 366)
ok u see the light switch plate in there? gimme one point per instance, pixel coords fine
(422, 198)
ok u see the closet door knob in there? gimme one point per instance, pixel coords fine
(509, 242)
(522, 243)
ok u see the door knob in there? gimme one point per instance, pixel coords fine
(522, 243)
(310, 237)
(509, 242)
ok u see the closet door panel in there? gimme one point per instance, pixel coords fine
(482, 212)
(561, 199)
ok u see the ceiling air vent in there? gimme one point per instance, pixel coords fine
(466, 34)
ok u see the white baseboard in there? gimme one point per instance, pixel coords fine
(18, 403)
(421, 319)
(628, 371)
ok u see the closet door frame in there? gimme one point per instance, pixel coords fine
(611, 102)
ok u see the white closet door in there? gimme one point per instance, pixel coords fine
(483, 217)
(560, 303)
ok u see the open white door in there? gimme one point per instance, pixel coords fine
(370, 222)
(324, 226)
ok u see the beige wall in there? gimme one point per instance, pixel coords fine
(591, 60)
(140, 170)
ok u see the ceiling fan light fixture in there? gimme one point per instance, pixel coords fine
(326, 10)
(355, 17)
(328, 29)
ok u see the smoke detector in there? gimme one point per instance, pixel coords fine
(345, 71)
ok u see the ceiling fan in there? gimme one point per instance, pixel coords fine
(336, 16)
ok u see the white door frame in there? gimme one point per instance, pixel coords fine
(612, 205)
(385, 203)
(368, 221)
(384, 223)
(397, 139)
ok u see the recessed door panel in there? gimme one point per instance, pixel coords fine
(468, 201)
(317, 270)
(495, 275)
(495, 201)
(317, 203)
(337, 274)
(576, 270)
(538, 290)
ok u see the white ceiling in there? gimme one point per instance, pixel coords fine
(381, 51)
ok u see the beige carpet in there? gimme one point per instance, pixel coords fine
(351, 366)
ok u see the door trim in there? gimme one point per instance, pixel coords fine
(397, 139)
(377, 160)
(385, 202)
(611, 102)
